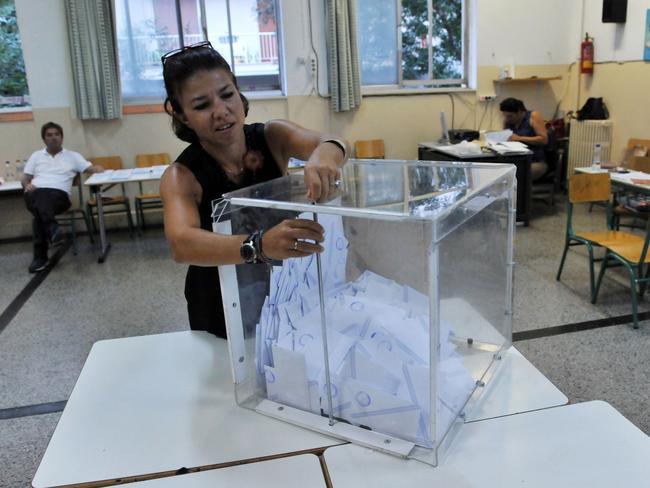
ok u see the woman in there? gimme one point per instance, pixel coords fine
(527, 127)
(225, 154)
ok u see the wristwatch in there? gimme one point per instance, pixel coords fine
(251, 249)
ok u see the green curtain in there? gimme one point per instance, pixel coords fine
(93, 50)
(342, 55)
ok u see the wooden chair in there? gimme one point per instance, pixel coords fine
(111, 204)
(371, 149)
(75, 213)
(143, 200)
(590, 188)
(622, 210)
(633, 256)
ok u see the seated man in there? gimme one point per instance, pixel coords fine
(527, 127)
(47, 182)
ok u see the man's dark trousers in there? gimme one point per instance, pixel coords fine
(45, 204)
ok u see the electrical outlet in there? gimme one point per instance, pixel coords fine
(485, 98)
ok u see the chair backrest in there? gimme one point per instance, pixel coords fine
(108, 162)
(371, 149)
(144, 160)
(589, 188)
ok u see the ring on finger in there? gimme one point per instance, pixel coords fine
(295, 244)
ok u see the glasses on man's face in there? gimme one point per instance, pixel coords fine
(181, 50)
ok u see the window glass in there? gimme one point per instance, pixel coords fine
(417, 43)
(243, 31)
(14, 92)
(378, 42)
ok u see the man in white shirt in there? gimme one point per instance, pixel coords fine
(47, 181)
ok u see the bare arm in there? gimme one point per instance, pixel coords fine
(541, 136)
(324, 159)
(94, 168)
(27, 182)
(181, 194)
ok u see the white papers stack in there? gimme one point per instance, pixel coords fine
(463, 148)
(378, 341)
(120, 174)
(508, 147)
(498, 136)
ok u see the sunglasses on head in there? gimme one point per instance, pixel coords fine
(181, 50)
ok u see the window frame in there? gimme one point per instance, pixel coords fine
(464, 84)
(148, 100)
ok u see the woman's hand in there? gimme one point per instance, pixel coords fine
(295, 238)
(320, 179)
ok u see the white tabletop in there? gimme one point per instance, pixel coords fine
(451, 150)
(517, 387)
(620, 178)
(290, 472)
(126, 175)
(583, 445)
(158, 403)
(11, 186)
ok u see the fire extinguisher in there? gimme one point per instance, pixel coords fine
(587, 55)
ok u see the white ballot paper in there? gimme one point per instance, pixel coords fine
(378, 341)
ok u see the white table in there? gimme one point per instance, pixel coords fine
(290, 472)
(11, 187)
(518, 387)
(112, 177)
(584, 445)
(155, 404)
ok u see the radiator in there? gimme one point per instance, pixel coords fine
(584, 135)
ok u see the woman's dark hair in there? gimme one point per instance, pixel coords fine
(50, 125)
(512, 105)
(177, 68)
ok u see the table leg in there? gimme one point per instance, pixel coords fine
(104, 245)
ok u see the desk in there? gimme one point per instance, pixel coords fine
(112, 177)
(154, 404)
(584, 445)
(290, 472)
(157, 403)
(11, 187)
(429, 151)
(621, 180)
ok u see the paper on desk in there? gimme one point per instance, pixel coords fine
(463, 148)
(508, 147)
(498, 136)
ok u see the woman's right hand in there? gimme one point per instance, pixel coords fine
(292, 238)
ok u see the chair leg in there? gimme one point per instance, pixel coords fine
(91, 215)
(592, 286)
(138, 216)
(88, 228)
(644, 282)
(129, 218)
(559, 271)
(603, 266)
(73, 234)
(635, 319)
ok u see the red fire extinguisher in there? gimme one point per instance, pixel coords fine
(587, 55)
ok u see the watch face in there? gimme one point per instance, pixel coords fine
(247, 251)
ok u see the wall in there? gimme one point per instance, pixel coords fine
(542, 38)
(620, 76)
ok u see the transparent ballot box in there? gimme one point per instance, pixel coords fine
(388, 336)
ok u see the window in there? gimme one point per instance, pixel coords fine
(14, 92)
(243, 31)
(412, 43)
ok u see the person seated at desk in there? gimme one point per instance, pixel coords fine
(528, 127)
(47, 182)
(224, 154)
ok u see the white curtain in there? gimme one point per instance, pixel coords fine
(93, 50)
(342, 55)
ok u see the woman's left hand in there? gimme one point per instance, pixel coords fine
(321, 179)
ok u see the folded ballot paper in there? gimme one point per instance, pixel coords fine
(378, 342)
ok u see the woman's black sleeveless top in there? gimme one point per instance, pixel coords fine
(202, 287)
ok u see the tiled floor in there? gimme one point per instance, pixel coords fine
(139, 290)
